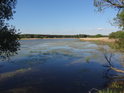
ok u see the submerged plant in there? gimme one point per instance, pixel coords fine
(108, 90)
(87, 59)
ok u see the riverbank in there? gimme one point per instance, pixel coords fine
(103, 39)
(113, 43)
(29, 38)
(44, 38)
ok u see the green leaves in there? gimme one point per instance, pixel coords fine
(9, 44)
(102, 4)
(7, 9)
(119, 20)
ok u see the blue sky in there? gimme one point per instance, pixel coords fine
(62, 17)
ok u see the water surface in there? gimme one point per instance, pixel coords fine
(55, 66)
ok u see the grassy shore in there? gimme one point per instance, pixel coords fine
(29, 38)
(113, 43)
(102, 39)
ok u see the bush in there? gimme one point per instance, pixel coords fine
(119, 42)
(9, 42)
(98, 35)
(117, 35)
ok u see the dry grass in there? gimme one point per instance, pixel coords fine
(104, 39)
(29, 38)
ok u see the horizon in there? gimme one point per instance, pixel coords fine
(57, 34)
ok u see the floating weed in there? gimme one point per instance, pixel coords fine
(117, 84)
(87, 59)
(110, 91)
(13, 73)
(46, 53)
(77, 61)
(114, 87)
(107, 91)
(20, 90)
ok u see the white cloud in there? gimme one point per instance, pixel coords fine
(100, 29)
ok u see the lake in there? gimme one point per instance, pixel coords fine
(57, 66)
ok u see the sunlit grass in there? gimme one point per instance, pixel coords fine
(110, 91)
(114, 87)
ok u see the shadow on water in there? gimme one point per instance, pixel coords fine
(63, 67)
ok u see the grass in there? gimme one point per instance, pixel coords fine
(111, 91)
(117, 45)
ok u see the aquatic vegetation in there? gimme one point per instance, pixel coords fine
(117, 84)
(13, 73)
(110, 91)
(20, 90)
(77, 61)
(87, 59)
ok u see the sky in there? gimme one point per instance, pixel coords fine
(66, 17)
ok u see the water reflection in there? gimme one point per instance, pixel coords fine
(57, 66)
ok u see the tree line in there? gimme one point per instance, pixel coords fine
(59, 36)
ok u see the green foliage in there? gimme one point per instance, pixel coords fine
(9, 44)
(119, 20)
(114, 87)
(116, 4)
(110, 91)
(117, 35)
(87, 59)
(7, 9)
(119, 42)
(98, 35)
(52, 36)
(103, 4)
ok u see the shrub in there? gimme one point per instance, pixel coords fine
(117, 35)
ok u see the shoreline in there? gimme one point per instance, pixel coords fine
(45, 38)
(103, 39)
(29, 38)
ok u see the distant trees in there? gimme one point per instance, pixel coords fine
(52, 36)
(99, 35)
(8, 36)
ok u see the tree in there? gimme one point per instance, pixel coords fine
(102, 4)
(116, 4)
(9, 37)
(117, 35)
(119, 20)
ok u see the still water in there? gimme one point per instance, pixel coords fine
(56, 66)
